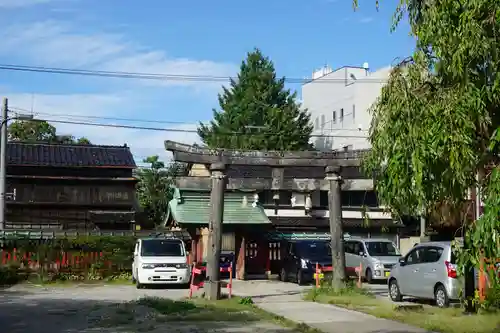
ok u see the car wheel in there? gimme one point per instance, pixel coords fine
(368, 276)
(441, 297)
(394, 291)
(300, 278)
(283, 275)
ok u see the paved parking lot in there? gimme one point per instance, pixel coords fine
(276, 288)
(92, 309)
(25, 309)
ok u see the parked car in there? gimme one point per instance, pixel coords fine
(300, 259)
(159, 260)
(428, 271)
(375, 255)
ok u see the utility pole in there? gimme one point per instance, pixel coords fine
(215, 230)
(337, 234)
(3, 161)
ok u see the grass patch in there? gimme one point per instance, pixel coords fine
(235, 309)
(451, 320)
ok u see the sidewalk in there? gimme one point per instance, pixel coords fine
(286, 300)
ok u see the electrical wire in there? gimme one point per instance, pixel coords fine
(166, 77)
(138, 120)
(182, 130)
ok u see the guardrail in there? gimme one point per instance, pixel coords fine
(66, 260)
(200, 270)
(61, 234)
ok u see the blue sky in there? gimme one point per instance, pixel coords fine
(192, 37)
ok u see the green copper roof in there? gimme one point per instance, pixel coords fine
(194, 207)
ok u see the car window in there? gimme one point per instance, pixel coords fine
(432, 254)
(415, 256)
(313, 249)
(382, 249)
(162, 248)
(349, 247)
(358, 248)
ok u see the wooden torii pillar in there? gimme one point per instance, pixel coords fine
(220, 159)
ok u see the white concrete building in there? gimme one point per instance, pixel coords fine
(339, 102)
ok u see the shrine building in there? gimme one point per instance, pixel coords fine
(271, 196)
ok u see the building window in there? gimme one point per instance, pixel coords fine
(285, 198)
(341, 115)
(334, 117)
(353, 111)
(323, 199)
(323, 121)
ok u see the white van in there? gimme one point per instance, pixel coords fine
(160, 261)
(375, 255)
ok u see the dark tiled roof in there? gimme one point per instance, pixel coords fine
(64, 155)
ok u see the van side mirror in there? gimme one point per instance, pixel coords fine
(402, 261)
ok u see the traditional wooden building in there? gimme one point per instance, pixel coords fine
(69, 187)
(272, 196)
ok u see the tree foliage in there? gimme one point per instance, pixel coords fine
(154, 189)
(257, 112)
(435, 125)
(40, 131)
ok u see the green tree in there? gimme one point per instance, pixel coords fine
(257, 112)
(435, 125)
(40, 131)
(31, 131)
(83, 141)
(154, 189)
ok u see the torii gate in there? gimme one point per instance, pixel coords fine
(220, 159)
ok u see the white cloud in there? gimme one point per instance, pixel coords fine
(143, 143)
(21, 3)
(54, 43)
(366, 19)
(57, 44)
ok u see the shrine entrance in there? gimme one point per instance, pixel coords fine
(256, 256)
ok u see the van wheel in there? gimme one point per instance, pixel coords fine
(368, 276)
(394, 291)
(283, 276)
(441, 296)
(300, 278)
(138, 285)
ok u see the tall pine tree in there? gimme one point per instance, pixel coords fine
(257, 112)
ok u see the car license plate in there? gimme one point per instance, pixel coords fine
(387, 274)
(321, 275)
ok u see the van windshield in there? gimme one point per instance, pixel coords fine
(382, 249)
(313, 249)
(161, 248)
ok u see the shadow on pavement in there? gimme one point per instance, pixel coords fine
(28, 313)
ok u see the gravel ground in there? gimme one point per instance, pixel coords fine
(101, 309)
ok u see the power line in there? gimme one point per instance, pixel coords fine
(181, 130)
(138, 120)
(165, 77)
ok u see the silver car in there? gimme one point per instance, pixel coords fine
(376, 257)
(428, 271)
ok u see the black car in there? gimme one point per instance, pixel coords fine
(300, 259)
